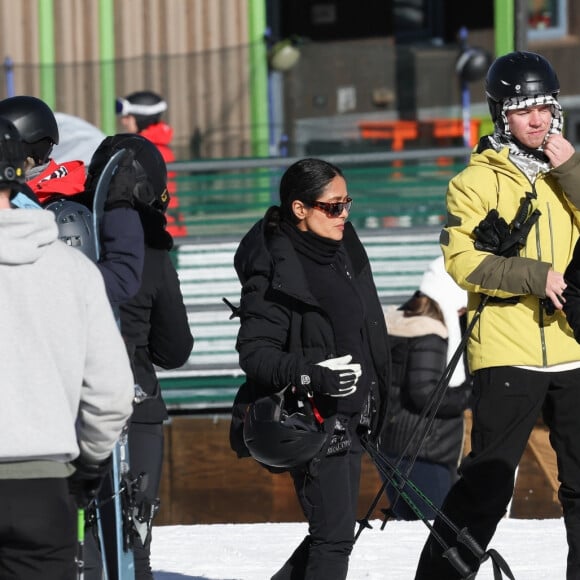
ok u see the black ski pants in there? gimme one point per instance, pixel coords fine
(508, 402)
(146, 456)
(38, 530)
(329, 499)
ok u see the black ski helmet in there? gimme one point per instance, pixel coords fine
(279, 439)
(150, 169)
(36, 124)
(519, 74)
(12, 155)
(75, 225)
(472, 64)
(145, 106)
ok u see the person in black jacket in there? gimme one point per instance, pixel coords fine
(311, 321)
(155, 328)
(571, 293)
(425, 333)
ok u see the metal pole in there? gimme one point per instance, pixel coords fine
(465, 95)
(47, 52)
(521, 24)
(9, 75)
(259, 78)
(107, 65)
(272, 148)
(503, 15)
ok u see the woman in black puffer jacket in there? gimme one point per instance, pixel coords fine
(311, 322)
(425, 333)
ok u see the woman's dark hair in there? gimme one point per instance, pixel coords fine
(422, 305)
(305, 180)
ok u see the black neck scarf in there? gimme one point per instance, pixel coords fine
(320, 250)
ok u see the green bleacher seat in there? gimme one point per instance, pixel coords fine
(210, 377)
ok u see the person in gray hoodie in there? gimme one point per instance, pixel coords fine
(67, 385)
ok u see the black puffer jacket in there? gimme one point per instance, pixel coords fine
(283, 329)
(154, 323)
(419, 355)
(122, 253)
(572, 292)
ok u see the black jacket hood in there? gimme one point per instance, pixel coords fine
(267, 252)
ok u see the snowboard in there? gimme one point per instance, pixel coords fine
(114, 516)
(102, 189)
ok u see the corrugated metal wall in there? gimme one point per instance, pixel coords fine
(193, 52)
(196, 53)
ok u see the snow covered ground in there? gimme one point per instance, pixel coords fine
(534, 549)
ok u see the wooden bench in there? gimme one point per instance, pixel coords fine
(210, 378)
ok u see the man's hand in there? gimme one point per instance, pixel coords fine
(555, 286)
(558, 149)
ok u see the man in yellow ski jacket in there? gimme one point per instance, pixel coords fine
(512, 226)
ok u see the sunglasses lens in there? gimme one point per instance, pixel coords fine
(336, 209)
(333, 210)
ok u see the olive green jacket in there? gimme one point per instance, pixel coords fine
(521, 333)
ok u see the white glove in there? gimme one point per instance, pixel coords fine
(346, 375)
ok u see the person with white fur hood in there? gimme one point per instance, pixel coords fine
(425, 333)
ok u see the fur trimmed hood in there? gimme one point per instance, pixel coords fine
(412, 326)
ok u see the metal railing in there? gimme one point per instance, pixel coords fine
(398, 210)
(390, 189)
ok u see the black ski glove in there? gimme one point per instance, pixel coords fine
(491, 233)
(84, 484)
(494, 235)
(122, 183)
(335, 377)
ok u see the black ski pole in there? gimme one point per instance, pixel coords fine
(400, 480)
(434, 401)
(441, 388)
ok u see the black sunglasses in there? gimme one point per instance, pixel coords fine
(332, 210)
